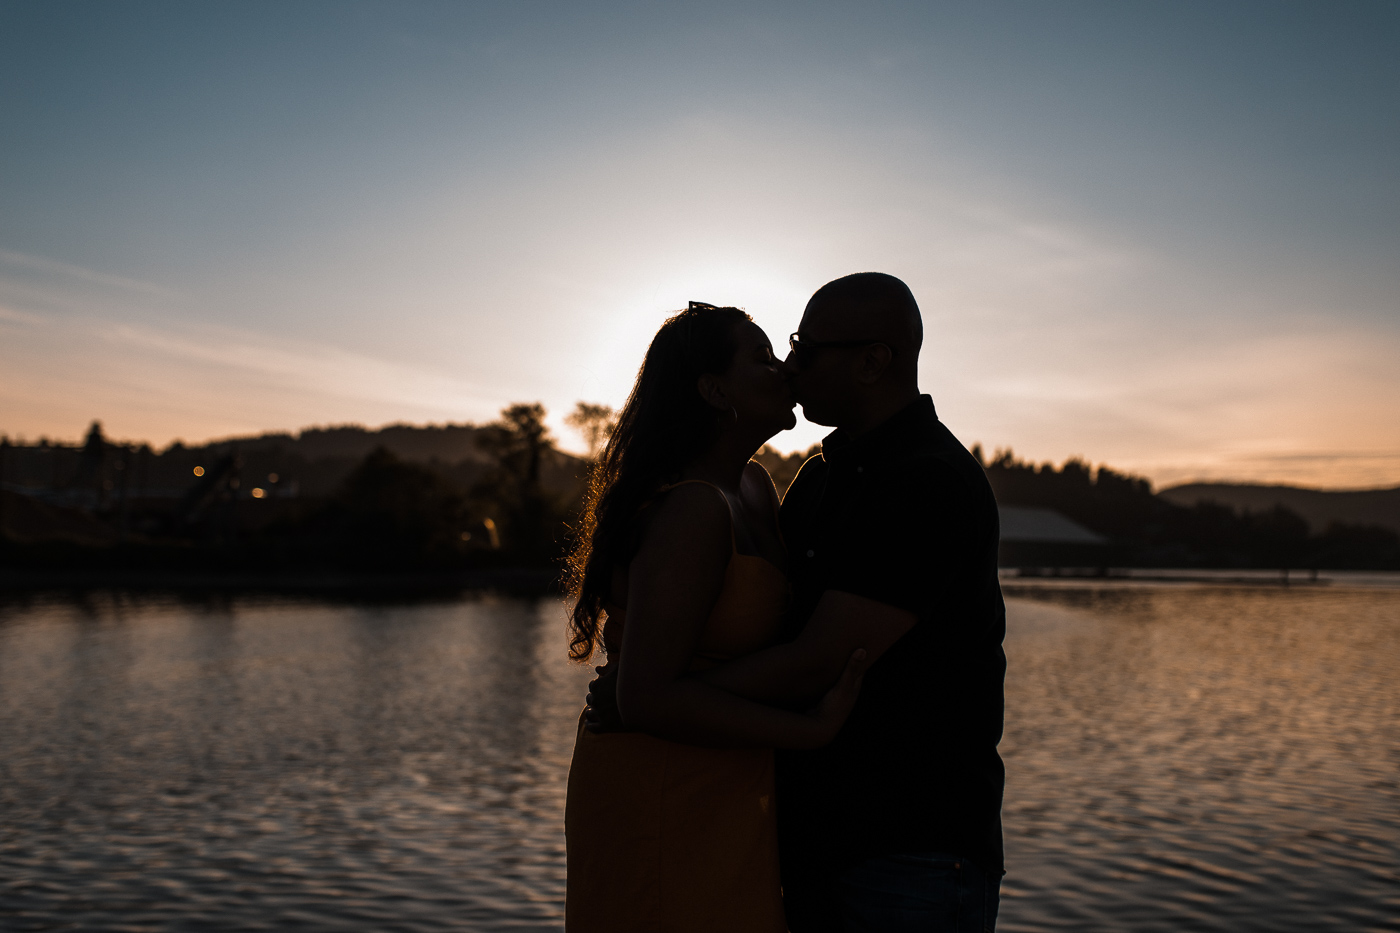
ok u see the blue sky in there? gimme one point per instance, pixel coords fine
(1162, 236)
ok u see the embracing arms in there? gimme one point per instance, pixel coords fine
(912, 536)
(796, 673)
(672, 583)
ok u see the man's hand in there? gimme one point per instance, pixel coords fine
(601, 715)
(834, 709)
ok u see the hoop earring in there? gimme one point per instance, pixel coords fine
(735, 412)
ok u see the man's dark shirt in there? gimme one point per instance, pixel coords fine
(903, 515)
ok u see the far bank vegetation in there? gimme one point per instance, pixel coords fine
(454, 497)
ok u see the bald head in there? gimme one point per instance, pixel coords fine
(874, 306)
(865, 333)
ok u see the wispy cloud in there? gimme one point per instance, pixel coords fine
(67, 270)
(11, 316)
(159, 383)
(1326, 455)
(324, 369)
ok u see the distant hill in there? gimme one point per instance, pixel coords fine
(438, 497)
(313, 461)
(1319, 508)
(449, 443)
(320, 458)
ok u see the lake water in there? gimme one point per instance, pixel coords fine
(1180, 758)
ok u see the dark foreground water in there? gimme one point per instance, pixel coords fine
(1180, 758)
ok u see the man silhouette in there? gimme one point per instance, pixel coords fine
(892, 546)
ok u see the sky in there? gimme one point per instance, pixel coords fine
(1164, 237)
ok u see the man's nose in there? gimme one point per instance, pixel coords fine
(788, 365)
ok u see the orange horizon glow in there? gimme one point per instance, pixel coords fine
(1158, 240)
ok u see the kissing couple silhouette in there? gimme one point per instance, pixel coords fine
(796, 726)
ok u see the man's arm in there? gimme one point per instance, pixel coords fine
(911, 534)
(673, 581)
(796, 674)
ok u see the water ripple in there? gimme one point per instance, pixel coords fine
(1179, 759)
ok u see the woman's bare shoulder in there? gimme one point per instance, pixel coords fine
(758, 473)
(694, 512)
(765, 491)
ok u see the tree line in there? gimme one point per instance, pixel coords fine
(506, 496)
(1149, 531)
(243, 505)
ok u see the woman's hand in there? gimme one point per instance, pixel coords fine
(831, 713)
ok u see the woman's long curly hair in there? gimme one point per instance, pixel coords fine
(665, 425)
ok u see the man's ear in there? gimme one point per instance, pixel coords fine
(874, 362)
(712, 392)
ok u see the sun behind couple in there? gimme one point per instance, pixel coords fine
(682, 577)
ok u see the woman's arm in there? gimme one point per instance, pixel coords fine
(674, 582)
(796, 673)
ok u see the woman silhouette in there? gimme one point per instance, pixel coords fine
(678, 568)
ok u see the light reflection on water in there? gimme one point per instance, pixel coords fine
(281, 766)
(1203, 759)
(1179, 758)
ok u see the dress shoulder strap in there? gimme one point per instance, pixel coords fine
(733, 543)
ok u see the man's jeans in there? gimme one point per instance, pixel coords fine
(926, 893)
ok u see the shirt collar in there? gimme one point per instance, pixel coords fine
(885, 438)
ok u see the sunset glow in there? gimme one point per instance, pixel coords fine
(1157, 236)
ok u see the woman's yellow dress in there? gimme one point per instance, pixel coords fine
(667, 837)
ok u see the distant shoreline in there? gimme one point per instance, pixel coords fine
(1015, 580)
(520, 581)
(537, 582)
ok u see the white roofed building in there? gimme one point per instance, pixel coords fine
(1037, 537)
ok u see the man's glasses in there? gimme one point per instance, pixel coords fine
(802, 350)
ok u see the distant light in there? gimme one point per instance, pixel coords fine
(466, 536)
(199, 471)
(259, 492)
(272, 477)
(494, 536)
